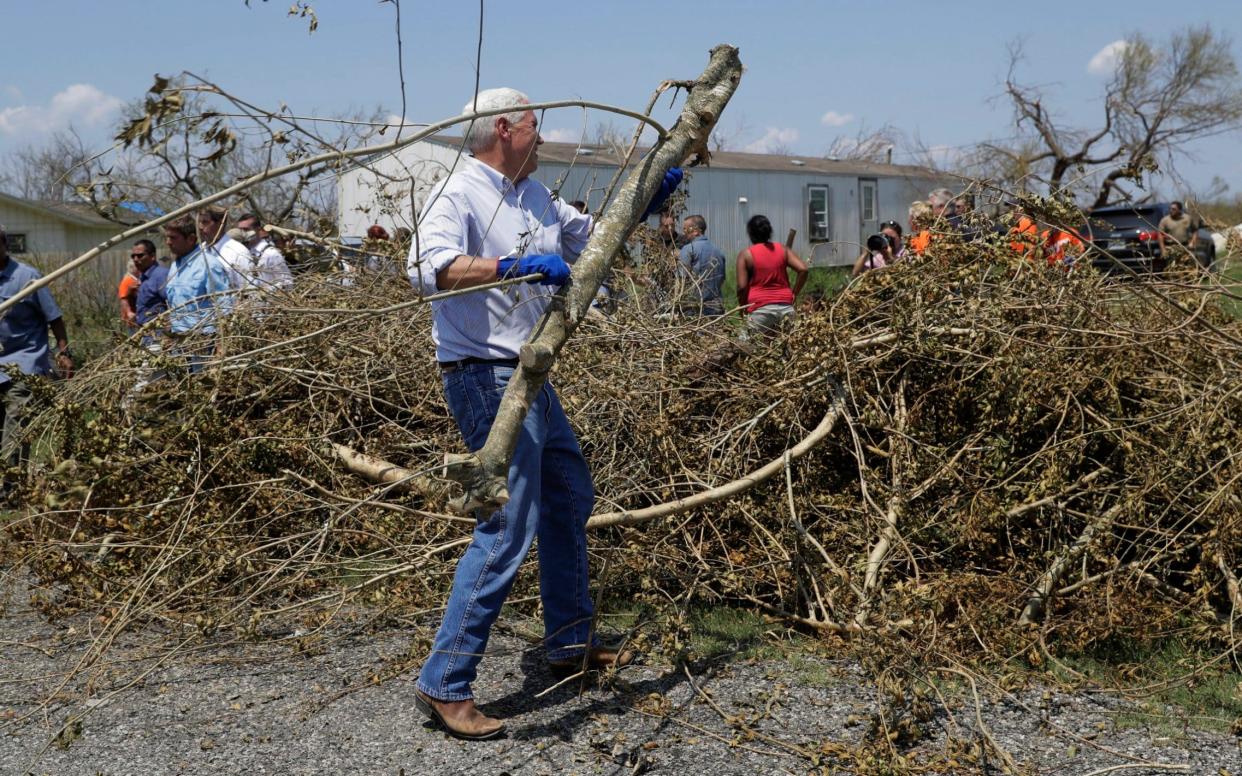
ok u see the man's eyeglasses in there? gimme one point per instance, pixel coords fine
(138, 255)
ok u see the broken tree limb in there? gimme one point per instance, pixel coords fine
(1038, 601)
(677, 506)
(896, 506)
(398, 478)
(484, 473)
(1083, 481)
(276, 172)
(1231, 582)
(728, 490)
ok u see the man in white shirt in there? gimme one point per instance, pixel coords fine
(490, 221)
(270, 269)
(212, 236)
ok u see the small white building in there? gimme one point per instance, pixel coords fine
(833, 205)
(47, 228)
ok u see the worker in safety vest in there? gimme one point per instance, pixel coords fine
(920, 235)
(1064, 246)
(1025, 237)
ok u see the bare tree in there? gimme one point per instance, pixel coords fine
(730, 139)
(866, 145)
(188, 138)
(49, 171)
(1160, 98)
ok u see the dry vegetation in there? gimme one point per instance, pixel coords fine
(967, 455)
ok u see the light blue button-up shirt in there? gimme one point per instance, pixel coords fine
(199, 290)
(477, 211)
(23, 330)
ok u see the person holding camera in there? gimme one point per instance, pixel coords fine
(879, 253)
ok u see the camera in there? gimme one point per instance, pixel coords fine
(876, 243)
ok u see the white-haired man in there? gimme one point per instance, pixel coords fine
(489, 220)
(941, 201)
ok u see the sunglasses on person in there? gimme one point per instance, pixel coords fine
(138, 255)
(890, 225)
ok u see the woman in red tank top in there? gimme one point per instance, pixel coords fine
(763, 279)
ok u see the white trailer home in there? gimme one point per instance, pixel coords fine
(832, 204)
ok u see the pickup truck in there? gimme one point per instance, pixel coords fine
(1128, 235)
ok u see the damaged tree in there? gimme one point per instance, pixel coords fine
(484, 474)
(1160, 96)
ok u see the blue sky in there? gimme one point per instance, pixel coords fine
(815, 70)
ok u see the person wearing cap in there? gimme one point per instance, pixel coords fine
(24, 349)
(491, 221)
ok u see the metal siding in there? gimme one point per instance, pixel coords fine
(712, 192)
(368, 196)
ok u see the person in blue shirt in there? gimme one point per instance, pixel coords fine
(703, 265)
(24, 348)
(198, 290)
(490, 221)
(151, 279)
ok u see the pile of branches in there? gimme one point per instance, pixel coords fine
(969, 449)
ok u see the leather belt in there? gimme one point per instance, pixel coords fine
(449, 366)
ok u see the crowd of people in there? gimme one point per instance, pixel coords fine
(943, 214)
(209, 266)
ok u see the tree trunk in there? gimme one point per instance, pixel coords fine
(485, 474)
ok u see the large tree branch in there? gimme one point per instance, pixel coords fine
(484, 474)
(266, 175)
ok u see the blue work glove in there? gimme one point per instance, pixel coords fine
(553, 268)
(672, 179)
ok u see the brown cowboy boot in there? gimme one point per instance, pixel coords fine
(597, 659)
(462, 719)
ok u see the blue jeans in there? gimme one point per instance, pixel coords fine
(550, 497)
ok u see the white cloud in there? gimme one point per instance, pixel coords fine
(80, 104)
(773, 138)
(834, 119)
(13, 93)
(1105, 60)
(561, 135)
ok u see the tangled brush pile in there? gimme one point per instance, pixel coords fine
(980, 445)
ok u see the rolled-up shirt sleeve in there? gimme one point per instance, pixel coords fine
(47, 304)
(575, 230)
(442, 237)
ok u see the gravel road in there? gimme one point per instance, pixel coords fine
(271, 709)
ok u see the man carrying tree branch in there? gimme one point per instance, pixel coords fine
(490, 221)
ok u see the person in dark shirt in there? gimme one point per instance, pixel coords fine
(152, 275)
(668, 233)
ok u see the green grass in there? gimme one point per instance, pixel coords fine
(821, 281)
(1231, 276)
(1211, 699)
(718, 632)
(721, 631)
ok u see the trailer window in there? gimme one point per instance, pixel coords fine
(17, 242)
(817, 213)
